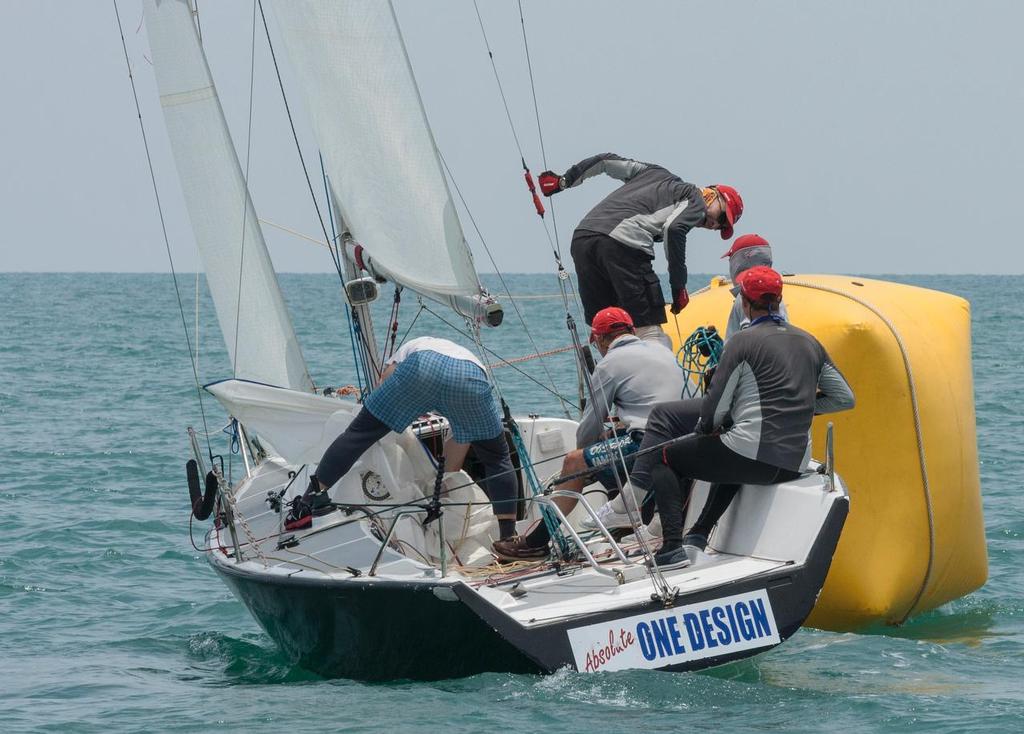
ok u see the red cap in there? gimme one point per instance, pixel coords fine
(747, 240)
(733, 207)
(610, 319)
(759, 282)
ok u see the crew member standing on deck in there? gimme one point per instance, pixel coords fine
(613, 247)
(425, 375)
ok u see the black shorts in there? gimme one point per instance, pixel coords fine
(612, 274)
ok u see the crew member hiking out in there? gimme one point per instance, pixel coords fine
(613, 246)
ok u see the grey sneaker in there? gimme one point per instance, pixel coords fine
(673, 558)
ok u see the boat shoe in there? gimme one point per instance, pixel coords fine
(516, 548)
(305, 508)
(672, 558)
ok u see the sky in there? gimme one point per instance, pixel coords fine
(865, 137)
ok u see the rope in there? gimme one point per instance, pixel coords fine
(528, 357)
(490, 351)
(917, 428)
(163, 229)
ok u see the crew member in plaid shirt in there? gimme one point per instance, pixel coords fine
(425, 375)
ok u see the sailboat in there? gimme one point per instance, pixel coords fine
(373, 589)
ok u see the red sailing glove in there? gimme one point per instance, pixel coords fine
(679, 303)
(550, 183)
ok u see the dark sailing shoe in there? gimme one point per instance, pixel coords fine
(672, 557)
(303, 509)
(700, 542)
(516, 548)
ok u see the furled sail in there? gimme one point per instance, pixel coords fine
(253, 317)
(351, 64)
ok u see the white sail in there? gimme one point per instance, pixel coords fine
(253, 317)
(351, 64)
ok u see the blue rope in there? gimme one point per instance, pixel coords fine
(697, 356)
(550, 519)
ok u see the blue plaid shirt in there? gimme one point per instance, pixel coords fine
(427, 382)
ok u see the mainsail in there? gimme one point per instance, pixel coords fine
(253, 317)
(350, 62)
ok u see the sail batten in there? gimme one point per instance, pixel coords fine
(250, 308)
(350, 63)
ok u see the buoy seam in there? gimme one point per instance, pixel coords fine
(917, 430)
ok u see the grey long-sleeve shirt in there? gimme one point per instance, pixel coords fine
(653, 205)
(772, 379)
(633, 376)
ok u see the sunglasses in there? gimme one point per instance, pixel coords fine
(723, 219)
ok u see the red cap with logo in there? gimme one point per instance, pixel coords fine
(733, 207)
(760, 281)
(610, 319)
(747, 240)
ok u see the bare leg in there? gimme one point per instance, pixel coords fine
(572, 464)
(454, 454)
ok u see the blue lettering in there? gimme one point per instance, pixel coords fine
(643, 633)
(743, 616)
(718, 615)
(661, 637)
(732, 624)
(757, 610)
(693, 631)
(676, 636)
(705, 624)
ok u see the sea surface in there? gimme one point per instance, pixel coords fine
(110, 619)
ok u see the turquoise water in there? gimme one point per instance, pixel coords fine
(111, 621)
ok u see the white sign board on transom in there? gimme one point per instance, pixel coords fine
(673, 636)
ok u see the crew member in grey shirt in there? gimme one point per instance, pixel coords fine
(613, 246)
(632, 376)
(754, 423)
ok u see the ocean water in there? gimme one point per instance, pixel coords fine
(110, 620)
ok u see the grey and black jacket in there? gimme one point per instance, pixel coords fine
(772, 379)
(654, 205)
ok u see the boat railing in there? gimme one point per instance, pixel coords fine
(546, 500)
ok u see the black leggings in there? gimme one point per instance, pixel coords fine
(705, 457)
(366, 430)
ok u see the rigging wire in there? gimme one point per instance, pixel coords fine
(305, 170)
(245, 187)
(657, 578)
(504, 361)
(163, 229)
(501, 89)
(501, 278)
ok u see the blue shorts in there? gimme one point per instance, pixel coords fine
(604, 453)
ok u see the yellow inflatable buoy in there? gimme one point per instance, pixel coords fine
(915, 537)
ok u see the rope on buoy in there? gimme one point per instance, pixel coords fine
(917, 429)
